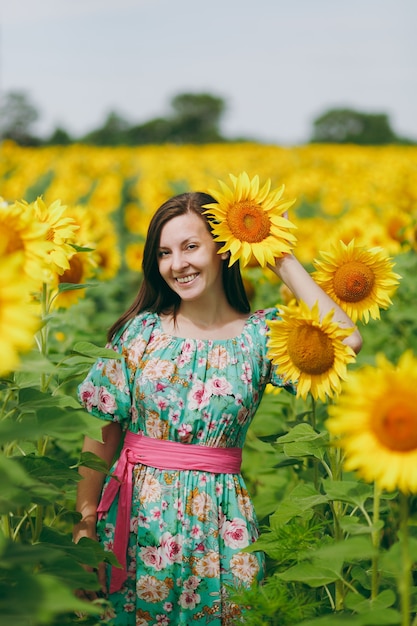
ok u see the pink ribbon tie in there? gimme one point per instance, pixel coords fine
(161, 454)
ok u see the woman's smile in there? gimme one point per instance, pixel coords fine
(183, 280)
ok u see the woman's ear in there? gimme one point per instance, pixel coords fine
(224, 256)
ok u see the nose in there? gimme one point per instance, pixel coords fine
(178, 261)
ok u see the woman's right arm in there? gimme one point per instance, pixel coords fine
(89, 491)
(89, 488)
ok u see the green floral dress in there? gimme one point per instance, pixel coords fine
(188, 528)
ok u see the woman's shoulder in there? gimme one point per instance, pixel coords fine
(261, 316)
(257, 323)
(141, 325)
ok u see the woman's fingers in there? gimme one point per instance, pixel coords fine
(101, 575)
(90, 595)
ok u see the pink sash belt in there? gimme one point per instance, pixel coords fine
(161, 454)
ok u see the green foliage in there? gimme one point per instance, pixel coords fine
(41, 430)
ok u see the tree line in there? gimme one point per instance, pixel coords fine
(194, 118)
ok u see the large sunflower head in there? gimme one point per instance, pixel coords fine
(375, 423)
(309, 350)
(249, 221)
(361, 281)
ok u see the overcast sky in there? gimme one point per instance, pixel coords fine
(277, 64)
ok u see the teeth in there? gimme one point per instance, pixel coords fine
(187, 279)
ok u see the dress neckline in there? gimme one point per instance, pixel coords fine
(212, 340)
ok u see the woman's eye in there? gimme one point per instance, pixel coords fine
(162, 253)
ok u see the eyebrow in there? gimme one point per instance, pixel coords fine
(182, 243)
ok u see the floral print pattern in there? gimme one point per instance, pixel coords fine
(188, 528)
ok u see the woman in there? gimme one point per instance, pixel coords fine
(194, 370)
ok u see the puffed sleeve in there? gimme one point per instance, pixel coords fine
(272, 371)
(106, 392)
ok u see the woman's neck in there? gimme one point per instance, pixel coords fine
(217, 322)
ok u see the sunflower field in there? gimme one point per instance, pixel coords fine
(332, 470)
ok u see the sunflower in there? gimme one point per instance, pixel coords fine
(20, 231)
(18, 319)
(62, 231)
(375, 422)
(134, 256)
(82, 266)
(309, 350)
(361, 281)
(248, 221)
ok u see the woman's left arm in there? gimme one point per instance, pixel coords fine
(302, 285)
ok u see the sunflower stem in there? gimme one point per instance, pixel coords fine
(376, 538)
(43, 441)
(336, 463)
(404, 583)
(315, 461)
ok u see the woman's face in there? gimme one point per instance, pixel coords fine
(187, 258)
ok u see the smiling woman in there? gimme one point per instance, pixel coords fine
(175, 508)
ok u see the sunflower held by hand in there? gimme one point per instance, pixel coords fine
(309, 350)
(249, 221)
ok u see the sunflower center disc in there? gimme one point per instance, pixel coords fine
(353, 281)
(396, 427)
(248, 222)
(311, 350)
(75, 272)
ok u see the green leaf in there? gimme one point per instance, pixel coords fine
(53, 421)
(268, 543)
(81, 248)
(35, 399)
(86, 551)
(27, 598)
(300, 502)
(303, 440)
(31, 366)
(310, 574)
(73, 286)
(91, 460)
(49, 470)
(27, 428)
(378, 617)
(90, 349)
(349, 550)
(363, 605)
(69, 424)
(14, 485)
(353, 526)
(352, 492)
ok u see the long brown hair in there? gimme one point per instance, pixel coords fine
(154, 294)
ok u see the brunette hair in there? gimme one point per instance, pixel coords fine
(154, 294)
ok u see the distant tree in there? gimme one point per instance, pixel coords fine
(156, 131)
(350, 126)
(197, 117)
(17, 116)
(112, 133)
(59, 137)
